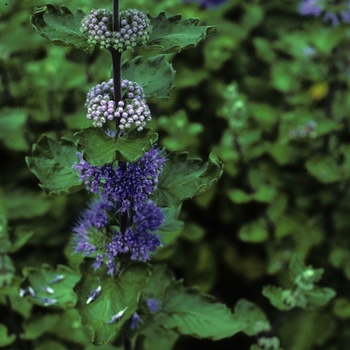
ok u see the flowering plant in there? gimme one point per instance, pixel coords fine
(137, 187)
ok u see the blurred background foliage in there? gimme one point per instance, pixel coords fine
(269, 93)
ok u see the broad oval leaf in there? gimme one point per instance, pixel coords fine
(118, 296)
(196, 314)
(132, 146)
(256, 320)
(52, 163)
(155, 75)
(275, 295)
(5, 338)
(184, 178)
(170, 35)
(50, 287)
(324, 169)
(97, 147)
(60, 26)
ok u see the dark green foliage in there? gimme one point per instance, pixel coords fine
(60, 26)
(170, 35)
(52, 162)
(184, 178)
(155, 75)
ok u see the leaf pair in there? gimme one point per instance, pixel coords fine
(169, 35)
(182, 178)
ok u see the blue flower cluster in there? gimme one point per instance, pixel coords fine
(135, 29)
(125, 188)
(335, 12)
(133, 109)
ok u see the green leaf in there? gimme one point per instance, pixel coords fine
(326, 38)
(170, 35)
(21, 238)
(324, 169)
(26, 204)
(132, 146)
(60, 26)
(304, 276)
(99, 149)
(172, 227)
(275, 295)
(160, 279)
(193, 232)
(52, 163)
(254, 232)
(341, 308)
(117, 294)
(192, 313)
(50, 344)
(157, 337)
(69, 320)
(256, 320)
(19, 304)
(309, 330)
(184, 178)
(155, 75)
(53, 288)
(319, 296)
(7, 271)
(12, 128)
(36, 326)
(263, 193)
(5, 339)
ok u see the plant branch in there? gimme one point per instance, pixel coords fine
(116, 59)
(126, 342)
(116, 64)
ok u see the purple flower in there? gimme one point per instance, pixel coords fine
(135, 320)
(334, 12)
(140, 239)
(126, 189)
(310, 7)
(153, 305)
(129, 185)
(206, 3)
(89, 224)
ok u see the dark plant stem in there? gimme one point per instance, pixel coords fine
(270, 332)
(278, 320)
(116, 59)
(126, 342)
(13, 323)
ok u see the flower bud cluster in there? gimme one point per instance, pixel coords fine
(135, 29)
(133, 109)
(100, 104)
